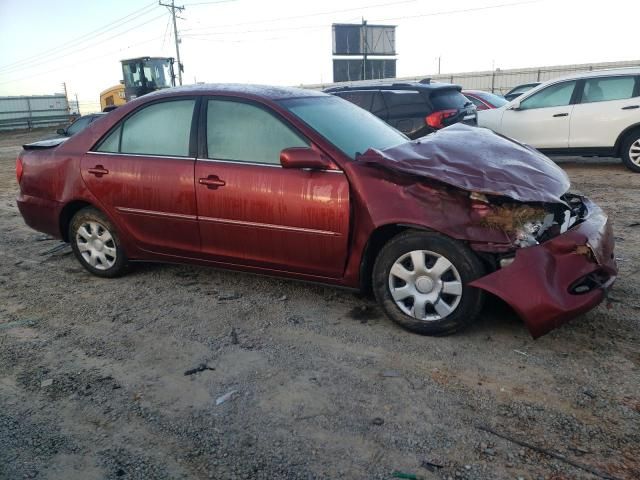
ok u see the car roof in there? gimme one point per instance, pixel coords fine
(578, 76)
(599, 73)
(262, 91)
(430, 86)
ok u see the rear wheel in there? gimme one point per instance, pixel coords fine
(630, 151)
(421, 280)
(96, 244)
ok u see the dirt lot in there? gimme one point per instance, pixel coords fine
(93, 383)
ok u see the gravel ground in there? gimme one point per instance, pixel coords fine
(299, 381)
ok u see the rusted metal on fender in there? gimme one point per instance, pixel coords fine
(536, 285)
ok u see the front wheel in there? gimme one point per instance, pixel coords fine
(95, 243)
(630, 151)
(421, 280)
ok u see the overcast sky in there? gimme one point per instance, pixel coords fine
(47, 42)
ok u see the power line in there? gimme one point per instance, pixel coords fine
(431, 14)
(83, 61)
(472, 9)
(73, 52)
(137, 13)
(209, 3)
(173, 9)
(164, 37)
(295, 17)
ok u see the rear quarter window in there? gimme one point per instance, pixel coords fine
(446, 99)
(405, 103)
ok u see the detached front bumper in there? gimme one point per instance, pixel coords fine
(550, 283)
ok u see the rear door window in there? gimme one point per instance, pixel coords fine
(608, 89)
(158, 129)
(448, 99)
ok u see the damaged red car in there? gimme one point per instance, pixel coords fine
(305, 185)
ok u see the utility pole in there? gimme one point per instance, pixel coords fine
(364, 49)
(439, 58)
(66, 97)
(173, 9)
(77, 105)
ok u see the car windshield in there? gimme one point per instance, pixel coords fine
(350, 128)
(78, 125)
(522, 88)
(492, 98)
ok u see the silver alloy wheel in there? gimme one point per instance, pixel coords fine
(634, 152)
(96, 245)
(425, 285)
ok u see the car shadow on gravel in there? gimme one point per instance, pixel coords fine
(497, 316)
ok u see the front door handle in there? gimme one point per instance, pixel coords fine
(630, 107)
(212, 182)
(98, 171)
(561, 115)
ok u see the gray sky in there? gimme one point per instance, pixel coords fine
(44, 43)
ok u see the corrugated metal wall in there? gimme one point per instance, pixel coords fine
(501, 81)
(33, 111)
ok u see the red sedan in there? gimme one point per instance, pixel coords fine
(484, 100)
(305, 185)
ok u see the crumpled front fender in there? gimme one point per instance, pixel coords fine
(537, 283)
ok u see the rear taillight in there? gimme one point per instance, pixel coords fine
(19, 169)
(436, 119)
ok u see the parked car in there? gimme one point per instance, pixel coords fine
(301, 184)
(519, 90)
(79, 124)
(484, 100)
(416, 109)
(593, 114)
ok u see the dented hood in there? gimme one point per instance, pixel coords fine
(476, 159)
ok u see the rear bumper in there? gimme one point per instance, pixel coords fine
(543, 282)
(40, 214)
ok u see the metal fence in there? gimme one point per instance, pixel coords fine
(501, 81)
(33, 111)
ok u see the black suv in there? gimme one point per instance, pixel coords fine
(416, 108)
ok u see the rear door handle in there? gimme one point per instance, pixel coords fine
(98, 171)
(212, 182)
(631, 107)
(561, 115)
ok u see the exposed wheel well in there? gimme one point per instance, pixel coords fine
(377, 240)
(69, 210)
(623, 136)
(383, 234)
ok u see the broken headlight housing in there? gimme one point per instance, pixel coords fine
(528, 224)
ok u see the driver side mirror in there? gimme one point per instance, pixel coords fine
(61, 131)
(515, 105)
(303, 157)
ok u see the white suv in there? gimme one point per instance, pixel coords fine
(592, 114)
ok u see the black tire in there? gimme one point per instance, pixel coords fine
(107, 254)
(467, 267)
(625, 151)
